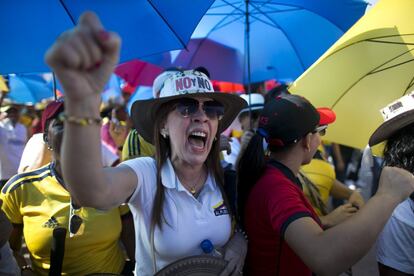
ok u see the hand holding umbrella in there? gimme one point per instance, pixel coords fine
(84, 58)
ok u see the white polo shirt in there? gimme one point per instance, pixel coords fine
(189, 221)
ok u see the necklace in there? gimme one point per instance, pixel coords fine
(193, 187)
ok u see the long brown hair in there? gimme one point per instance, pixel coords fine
(163, 152)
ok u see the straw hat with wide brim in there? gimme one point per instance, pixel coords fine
(397, 115)
(186, 84)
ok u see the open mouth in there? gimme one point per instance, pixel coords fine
(198, 139)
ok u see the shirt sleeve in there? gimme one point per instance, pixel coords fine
(285, 206)
(395, 246)
(145, 169)
(11, 206)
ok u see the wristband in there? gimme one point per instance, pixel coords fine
(82, 121)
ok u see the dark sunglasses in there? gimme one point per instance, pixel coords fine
(188, 107)
(321, 130)
(75, 221)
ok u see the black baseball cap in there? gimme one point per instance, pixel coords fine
(287, 118)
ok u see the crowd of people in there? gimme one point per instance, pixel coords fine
(138, 192)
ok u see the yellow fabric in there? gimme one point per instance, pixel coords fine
(322, 174)
(378, 150)
(367, 68)
(136, 146)
(3, 86)
(26, 120)
(40, 203)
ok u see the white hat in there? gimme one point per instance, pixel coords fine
(173, 85)
(397, 115)
(256, 102)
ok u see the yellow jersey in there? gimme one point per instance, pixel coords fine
(136, 146)
(38, 201)
(322, 174)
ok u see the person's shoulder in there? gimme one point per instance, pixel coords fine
(37, 136)
(36, 139)
(319, 167)
(23, 179)
(141, 160)
(273, 173)
(140, 163)
(274, 179)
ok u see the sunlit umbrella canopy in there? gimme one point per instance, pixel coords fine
(369, 67)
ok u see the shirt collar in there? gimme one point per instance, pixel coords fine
(286, 172)
(170, 180)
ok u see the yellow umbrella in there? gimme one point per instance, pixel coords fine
(3, 86)
(367, 68)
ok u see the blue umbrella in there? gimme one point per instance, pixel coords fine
(147, 27)
(279, 39)
(224, 63)
(28, 89)
(111, 91)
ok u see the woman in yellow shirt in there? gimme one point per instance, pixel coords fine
(37, 202)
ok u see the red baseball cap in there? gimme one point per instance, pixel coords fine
(326, 116)
(52, 110)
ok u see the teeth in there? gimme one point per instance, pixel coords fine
(199, 133)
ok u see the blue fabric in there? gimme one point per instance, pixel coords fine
(28, 89)
(148, 27)
(286, 36)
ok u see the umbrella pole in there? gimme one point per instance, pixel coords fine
(247, 51)
(54, 86)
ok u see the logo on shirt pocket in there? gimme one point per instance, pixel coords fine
(220, 209)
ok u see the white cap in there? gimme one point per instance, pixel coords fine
(256, 102)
